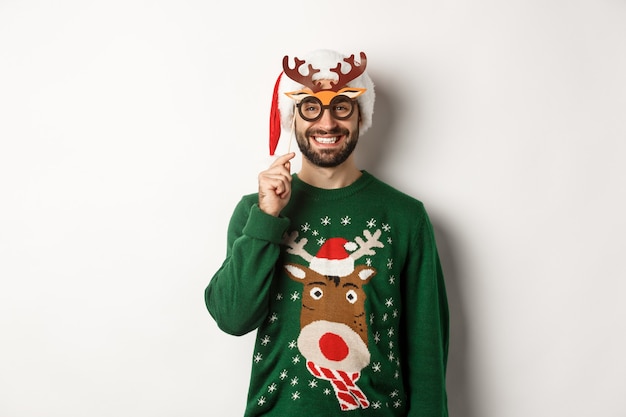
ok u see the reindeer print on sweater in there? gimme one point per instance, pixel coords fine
(333, 327)
(333, 343)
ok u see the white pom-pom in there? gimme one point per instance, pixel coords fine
(351, 246)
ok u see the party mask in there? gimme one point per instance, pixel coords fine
(314, 99)
(314, 88)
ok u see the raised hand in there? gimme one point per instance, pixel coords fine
(275, 185)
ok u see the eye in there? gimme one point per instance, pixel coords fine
(310, 104)
(351, 296)
(316, 293)
(341, 107)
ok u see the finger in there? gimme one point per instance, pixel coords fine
(277, 183)
(283, 159)
(283, 171)
(271, 176)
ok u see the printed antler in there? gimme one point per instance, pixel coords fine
(365, 247)
(297, 248)
(294, 74)
(355, 71)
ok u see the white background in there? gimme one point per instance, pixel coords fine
(129, 130)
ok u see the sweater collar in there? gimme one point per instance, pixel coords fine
(332, 194)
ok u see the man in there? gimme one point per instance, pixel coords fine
(337, 271)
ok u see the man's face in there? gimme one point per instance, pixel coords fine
(327, 142)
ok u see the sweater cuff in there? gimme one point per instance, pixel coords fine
(263, 226)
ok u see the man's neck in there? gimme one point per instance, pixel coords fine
(329, 178)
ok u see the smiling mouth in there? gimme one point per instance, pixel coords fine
(326, 140)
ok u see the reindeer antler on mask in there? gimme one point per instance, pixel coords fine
(307, 80)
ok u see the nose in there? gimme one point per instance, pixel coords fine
(327, 121)
(333, 347)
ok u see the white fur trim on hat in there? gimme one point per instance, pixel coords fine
(325, 60)
(332, 267)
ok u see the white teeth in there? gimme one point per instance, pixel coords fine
(326, 140)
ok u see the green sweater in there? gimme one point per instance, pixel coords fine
(346, 293)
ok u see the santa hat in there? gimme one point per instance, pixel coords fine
(324, 60)
(333, 259)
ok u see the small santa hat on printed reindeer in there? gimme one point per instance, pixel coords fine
(323, 64)
(333, 259)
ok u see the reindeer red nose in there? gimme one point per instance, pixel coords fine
(333, 347)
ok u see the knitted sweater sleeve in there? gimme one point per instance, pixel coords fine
(426, 326)
(237, 295)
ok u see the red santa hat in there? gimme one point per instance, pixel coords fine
(333, 258)
(324, 60)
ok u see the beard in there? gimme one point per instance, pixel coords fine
(327, 158)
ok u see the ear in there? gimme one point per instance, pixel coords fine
(298, 96)
(351, 92)
(296, 272)
(365, 273)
